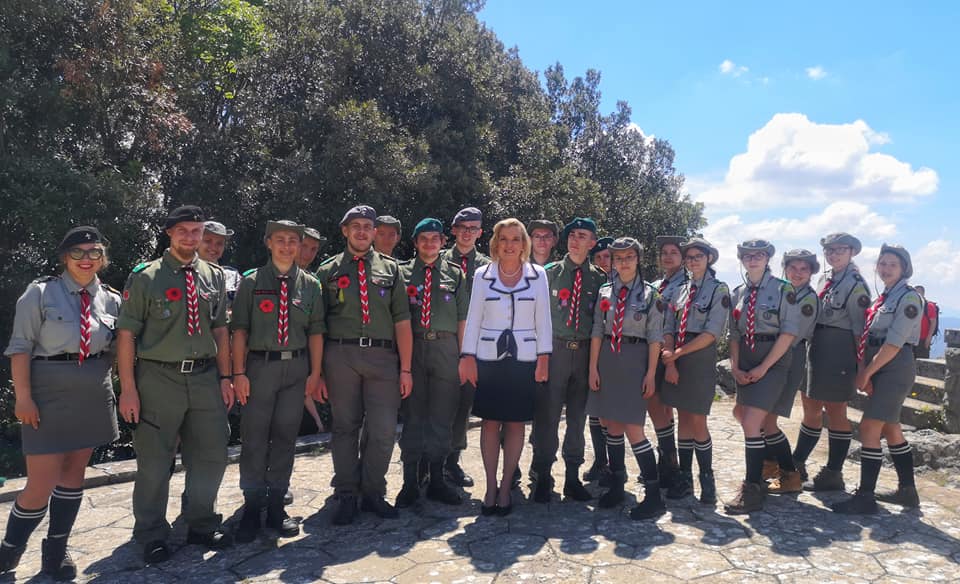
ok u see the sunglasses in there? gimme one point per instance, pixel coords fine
(93, 254)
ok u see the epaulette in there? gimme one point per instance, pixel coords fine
(45, 279)
(606, 285)
(738, 287)
(405, 262)
(857, 277)
(328, 260)
(250, 271)
(550, 265)
(140, 267)
(110, 288)
(454, 264)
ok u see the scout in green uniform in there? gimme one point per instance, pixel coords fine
(214, 242)
(544, 234)
(574, 285)
(309, 248)
(368, 326)
(386, 234)
(466, 229)
(601, 257)
(438, 314)
(173, 343)
(278, 325)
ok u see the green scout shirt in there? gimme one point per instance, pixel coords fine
(154, 309)
(475, 260)
(560, 276)
(449, 296)
(341, 296)
(256, 308)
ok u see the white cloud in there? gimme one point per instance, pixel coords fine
(792, 161)
(647, 138)
(816, 73)
(728, 67)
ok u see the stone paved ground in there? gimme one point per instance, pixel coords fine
(795, 539)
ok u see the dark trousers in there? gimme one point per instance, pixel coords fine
(428, 413)
(363, 384)
(462, 417)
(920, 351)
(269, 423)
(567, 386)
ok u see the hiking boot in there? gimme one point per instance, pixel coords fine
(596, 471)
(652, 504)
(708, 488)
(861, 503)
(788, 482)
(826, 480)
(801, 467)
(379, 507)
(56, 561)
(346, 510)
(668, 469)
(906, 497)
(277, 518)
(615, 495)
(573, 488)
(543, 489)
(749, 498)
(217, 539)
(250, 520)
(439, 490)
(410, 491)
(455, 473)
(682, 485)
(771, 469)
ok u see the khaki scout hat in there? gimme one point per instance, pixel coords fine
(841, 238)
(389, 221)
(702, 244)
(313, 234)
(751, 245)
(663, 240)
(802, 255)
(623, 244)
(217, 228)
(544, 224)
(902, 253)
(284, 225)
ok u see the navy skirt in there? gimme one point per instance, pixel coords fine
(506, 390)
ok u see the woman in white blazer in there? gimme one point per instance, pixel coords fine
(506, 349)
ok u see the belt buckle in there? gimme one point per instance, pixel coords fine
(186, 366)
(430, 335)
(366, 342)
(286, 355)
(573, 345)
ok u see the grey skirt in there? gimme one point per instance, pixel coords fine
(765, 393)
(832, 365)
(698, 382)
(621, 384)
(77, 406)
(891, 385)
(796, 375)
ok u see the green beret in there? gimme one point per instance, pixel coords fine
(428, 225)
(602, 244)
(579, 223)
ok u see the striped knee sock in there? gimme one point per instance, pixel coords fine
(21, 524)
(598, 435)
(647, 461)
(753, 447)
(806, 441)
(666, 440)
(780, 447)
(685, 453)
(839, 447)
(64, 506)
(902, 456)
(615, 449)
(704, 452)
(871, 459)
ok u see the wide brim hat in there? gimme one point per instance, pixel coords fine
(901, 252)
(625, 243)
(698, 242)
(842, 238)
(663, 240)
(753, 245)
(802, 255)
(313, 234)
(544, 224)
(389, 221)
(284, 225)
(217, 228)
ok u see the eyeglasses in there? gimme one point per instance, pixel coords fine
(543, 237)
(836, 250)
(695, 257)
(749, 257)
(470, 230)
(93, 254)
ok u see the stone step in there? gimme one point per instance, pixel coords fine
(928, 389)
(855, 415)
(935, 368)
(914, 412)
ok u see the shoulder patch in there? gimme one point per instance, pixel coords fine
(911, 311)
(45, 279)
(863, 301)
(792, 297)
(806, 310)
(550, 265)
(725, 301)
(140, 267)
(250, 271)
(328, 260)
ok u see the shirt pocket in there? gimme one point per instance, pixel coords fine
(108, 321)
(54, 315)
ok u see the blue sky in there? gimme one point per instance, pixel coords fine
(853, 109)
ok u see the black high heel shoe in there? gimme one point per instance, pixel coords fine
(504, 511)
(488, 511)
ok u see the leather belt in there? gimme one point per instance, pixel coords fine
(628, 340)
(433, 335)
(876, 342)
(760, 338)
(363, 342)
(572, 344)
(185, 366)
(830, 326)
(278, 355)
(69, 357)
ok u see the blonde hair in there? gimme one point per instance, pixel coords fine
(495, 239)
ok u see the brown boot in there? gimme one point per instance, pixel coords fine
(749, 498)
(789, 481)
(771, 470)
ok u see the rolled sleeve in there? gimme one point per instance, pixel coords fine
(133, 310)
(242, 304)
(718, 315)
(906, 328)
(26, 322)
(318, 313)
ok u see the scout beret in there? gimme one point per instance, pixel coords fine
(283, 225)
(359, 212)
(428, 225)
(186, 213)
(802, 255)
(755, 245)
(313, 234)
(388, 220)
(663, 240)
(842, 238)
(544, 224)
(700, 243)
(217, 228)
(602, 244)
(81, 234)
(902, 253)
(467, 214)
(579, 223)
(624, 243)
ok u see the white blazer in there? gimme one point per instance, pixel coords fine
(494, 308)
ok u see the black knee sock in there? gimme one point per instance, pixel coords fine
(780, 446)
(806, 441)
(64, 506)
(643, 451)
(839, 447)
(598, 436)
(753, 447)
(903, 461)
(871, 459)
(685, 453)
(666, 440)
(704, 455)
(21, 524)
(615, 448)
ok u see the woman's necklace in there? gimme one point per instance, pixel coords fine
(511, 274)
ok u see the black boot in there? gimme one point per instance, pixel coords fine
(543, 489)
(277, 517)
(615, 495)
(708, 488)
(668, 468)
(250, 520)
(455, 472)
(439, 490)
(682, 485)
(652, 504)
(55, 561)
(10, 558)
(573, 488)
(410, 491)
(423, 472)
